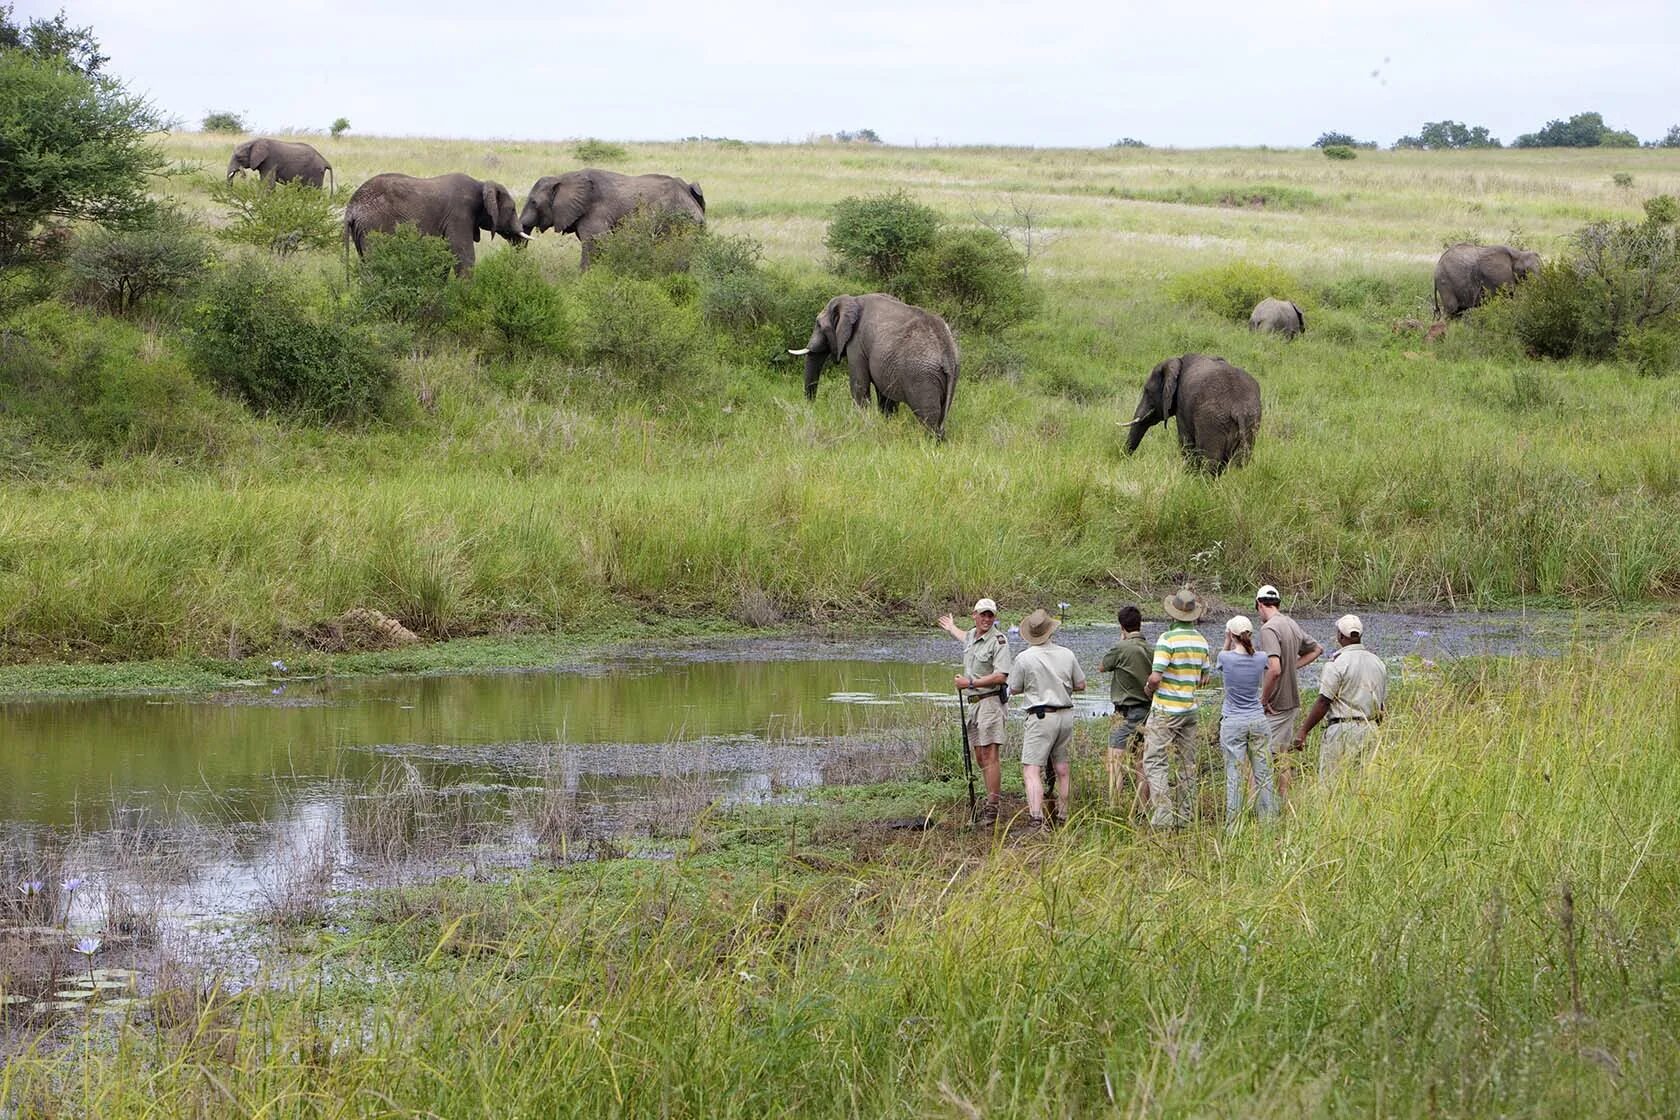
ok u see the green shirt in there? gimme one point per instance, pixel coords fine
(1130, 662)
(1181, 657)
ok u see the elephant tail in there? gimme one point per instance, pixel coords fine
(950, 396)
(332, 181)
(698, 195)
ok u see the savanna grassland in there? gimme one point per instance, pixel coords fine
(510, 495)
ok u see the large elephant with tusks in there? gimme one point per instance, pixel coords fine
(906, 354)
(1216, 404)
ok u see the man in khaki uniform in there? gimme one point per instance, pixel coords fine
(1353, 692)
(986, 665)
(1046, 676)
(1290, 650)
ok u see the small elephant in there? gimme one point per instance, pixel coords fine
(1280, 316)
(1217, 405)
(906, 353)
(1465, 274)
(281, 161)
(454, 207)
(591, 202)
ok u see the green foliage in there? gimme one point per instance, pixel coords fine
(736, 294)
(1583, 130)
(53, 39)
(1623, 179)
(1653, 351)
(1672, 139)
(1231, 290)
(1448, 135)
(406, 276)
(280, 217)
(73, 147)
(261, 333)
(974, 277)
(648, 244)
(858, 136)
(340, 127)
(1128, 142)
(1340, 151)
(600, 151)
(508, 306)
(1249, 196)
(222, 120)
(1662, 209)
(1334, 140)
(634, 327)
(877, 235)
(116, 269)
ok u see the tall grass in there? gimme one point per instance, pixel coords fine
(1478, 925)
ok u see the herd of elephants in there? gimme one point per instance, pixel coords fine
(904, 354)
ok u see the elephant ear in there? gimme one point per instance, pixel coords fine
(698, 195)
(572, 197)
(843, 313)
(1300, 319)
(1169, 385)
(258, 153)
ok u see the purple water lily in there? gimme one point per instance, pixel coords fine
(279, 666)
(71, 885)
(31, 888)
(88, 946)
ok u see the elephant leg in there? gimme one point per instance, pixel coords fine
(858, 368)
(887, 404)
(462, 248)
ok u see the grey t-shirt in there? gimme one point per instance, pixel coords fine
(1283, 638)
(1243, 673)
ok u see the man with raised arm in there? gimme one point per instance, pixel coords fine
(986, 665)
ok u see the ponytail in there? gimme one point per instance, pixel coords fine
(1246, 641)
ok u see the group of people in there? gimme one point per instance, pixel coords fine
(1153, 690)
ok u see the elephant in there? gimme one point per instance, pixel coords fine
(281, 161)
(454, 207)
(591, 202)
(1279, 315)
(1466, 273)
(1217, 405)
(906, 353)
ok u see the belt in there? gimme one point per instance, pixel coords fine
(1037, 710)
(1133, 706)
(1347, 719)
(987, 695)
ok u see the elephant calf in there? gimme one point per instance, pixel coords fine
(1466, 273)
(590, 203)
(454, 207)
(281, 161)
(1281, 316)
(1217, 406)
(905, 353)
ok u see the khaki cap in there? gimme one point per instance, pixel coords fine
(985, 605)
(1239, 624)
(1349, 626)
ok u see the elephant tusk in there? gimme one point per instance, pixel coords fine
(1127, 423)
(800, 353)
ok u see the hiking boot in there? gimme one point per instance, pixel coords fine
(1038, 826)
(987, 816)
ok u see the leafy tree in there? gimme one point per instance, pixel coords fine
(877, 235)
(1448, 135)
(1583, 130)
(340, 127)
(280, 217)
(1128, 142)
(118, 268)
(1334, 139)
(222, 120)
(1672, 140)
(75, 143)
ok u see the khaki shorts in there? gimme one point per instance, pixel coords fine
(1048, 740)
(985, 722)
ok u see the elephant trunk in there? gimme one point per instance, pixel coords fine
(530, 218)
(814, 362)
(1134, 433)
(233, 167)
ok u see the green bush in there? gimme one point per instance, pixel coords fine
(407, 276)
(116, 269)
(1231, 290)
(1339, 151)
(735, 294)
(1617, 291)
(259, 332)
(876, 236)
(600, 151)
(1547, 319)
(649, 244)
(222, 120)
(507, 305)
(635, 327)
(339, 127)
(1652, 351)
(974, 277)
(1663, 209)
(280, 217)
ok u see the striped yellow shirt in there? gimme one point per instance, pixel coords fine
(1181, 657)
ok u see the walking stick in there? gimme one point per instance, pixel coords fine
(968, 760)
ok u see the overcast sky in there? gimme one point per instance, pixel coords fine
(1176, 72)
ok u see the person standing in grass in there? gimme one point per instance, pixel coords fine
(1244, 733)
(1353, 692)
(1176, 671)
(986, 665)
(1046, 676)
(1129, 663)
(1291, 650)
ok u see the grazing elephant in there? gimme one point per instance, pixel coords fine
(1281, 316)
(907, 355)
(281, 161)
(1465, 274)
(589, 203)
(454, 207)
(1217, 405)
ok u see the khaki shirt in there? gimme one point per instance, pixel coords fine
(1283, 638)
(1356, 684)
(985, 655)
(1046, 675)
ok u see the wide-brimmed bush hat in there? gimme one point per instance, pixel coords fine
(1037, 627)
(1183, 605)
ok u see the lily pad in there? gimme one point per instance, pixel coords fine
(110, 985)
(70, 994)
(6, 1001)
(114, 974)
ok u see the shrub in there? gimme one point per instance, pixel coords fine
(1652, 351)
(1583, 130)
(511, 307)
(1334, 140)
(1231, 290)
(1340, 151)
(1128, 142)
(260, 333)
(1663, 209)
(974, 277)
(222, 120)
(649, 244)
(876, 236)
(600, 151)
(280, 217)
(115, 269)
(735, 293)
(407, 276)
(339, 127)
(634, 326)
(1623, 179)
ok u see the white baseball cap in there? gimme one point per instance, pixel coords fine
(1267, 591)
(1239, 624)
(985, 605)
(1348, 625)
